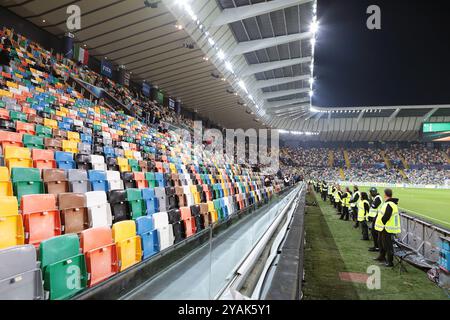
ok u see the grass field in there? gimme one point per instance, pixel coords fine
(432, 205)
(334, 246)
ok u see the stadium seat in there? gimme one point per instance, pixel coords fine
(40, 217)
(63, 266)
(114, 181)
(43, 159)
(128, 180)
(43, 131)
(129, 251)
(214, 215)
(99, 210)
(64, 160)
(83, 161)
(5, 183)
(151, 202)
(163, 202)
(175, 220)
(70, 146)
(53, 144)
(17, 157)
(12, 139)
(100, 252)
(205, 215)
(135, 203)
(171, 197)
(198, 218)
(26, 181)
(11, 224)
(55, 181)
(149, 236)
(165, 231)
(195, 194)
(189, 221)
(139, 179)
(20, 277)
(33, 142)
(78, 181)
(74, 213)
(98, 163)
(150, 177)
(98, 180)
(123, 164)
(119, 205)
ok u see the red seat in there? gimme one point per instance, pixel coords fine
(43, 159)
(23, 127)
(41, 218)
(11, 139)
(189, 221)
(100, 252)
(4, 114)
(159, 167)
(207, 192)
(140, 181)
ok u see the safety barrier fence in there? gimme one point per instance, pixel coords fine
(422, 237)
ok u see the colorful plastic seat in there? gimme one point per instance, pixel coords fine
(64, 160)
(98, 180)
(99, 209)
(74, 213)
(63, 266)
(11, 224)
(135, 203)
(189, 221)
(20, 276)
(78, 181)
(128, 244)
(114, 180)
(149, 236)
(100, 251)
(165, 230)
(43, 159)
(55, 181)
(26, 181)
(5, 183)
(17, 157)
(119, 205)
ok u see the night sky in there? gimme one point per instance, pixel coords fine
(407, 62)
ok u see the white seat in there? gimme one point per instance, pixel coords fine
(114, 181)
(137, 155)
(78, 123)
(189, 196)
(99, 209)
(165, 230)
(125, 145)
(98, 163)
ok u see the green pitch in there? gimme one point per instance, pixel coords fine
(432, 205)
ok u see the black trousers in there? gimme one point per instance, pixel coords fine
(365, 230)
(375, 233)
(345, 213)
(324, 196)
(355, 214)
(386, 246)
(339, 208)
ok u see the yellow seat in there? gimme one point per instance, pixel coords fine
(225, 190)
(129, 154)
(51, 123)
(173, 169)
(17, 157)
(70, 146)
(212, 211)
(5, 183)
(11, 225)
(128, 244)
(123, 164)
(73, 136)
(195, 194)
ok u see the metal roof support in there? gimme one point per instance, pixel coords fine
(267, 66)
(240, 13)
(283, 93)
(360, 116)
(394, 114)
(279, 81)
(429, 114)
(277, 104)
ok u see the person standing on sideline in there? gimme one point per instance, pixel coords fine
(375, 207)
(388, 224)
(346, 204)
(354, 204)
(363, 212)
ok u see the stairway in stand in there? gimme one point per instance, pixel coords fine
(347, 160)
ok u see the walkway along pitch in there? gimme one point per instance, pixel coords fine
(337, 261)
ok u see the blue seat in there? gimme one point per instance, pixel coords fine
(65, 126)
(160, 180)
(68, 120)
(151, 202)
(109, 152)
(65, 160)
(85, 138)
(98, 180)
(224, 207)
(149, 236)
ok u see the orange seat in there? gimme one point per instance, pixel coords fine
(189, 221)
(11, 139)
(140, 181)
(159, 167)
(43, 159)
(4, 114)
(100, 251)
(41, 217)
(23, 127)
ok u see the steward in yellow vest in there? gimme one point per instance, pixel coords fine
(388, 224)
(375, 207)
(363, 212)
(354, 204)
(346, 204)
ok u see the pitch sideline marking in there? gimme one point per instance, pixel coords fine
(423, 215)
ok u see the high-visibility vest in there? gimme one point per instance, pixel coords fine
(346, 200)
(374, 211)
(362, 210)
(337, 197)
(330, 191)
(393, 225)
(356, 204)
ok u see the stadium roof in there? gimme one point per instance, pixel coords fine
(260, 53)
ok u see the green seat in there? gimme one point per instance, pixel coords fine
(17, 116)
(43, 131)
(2, 104)
(218, 207)
(63, 267)
(136, 203)
(33, 142)
(134, 165)
(26, 181)
(150, 177)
